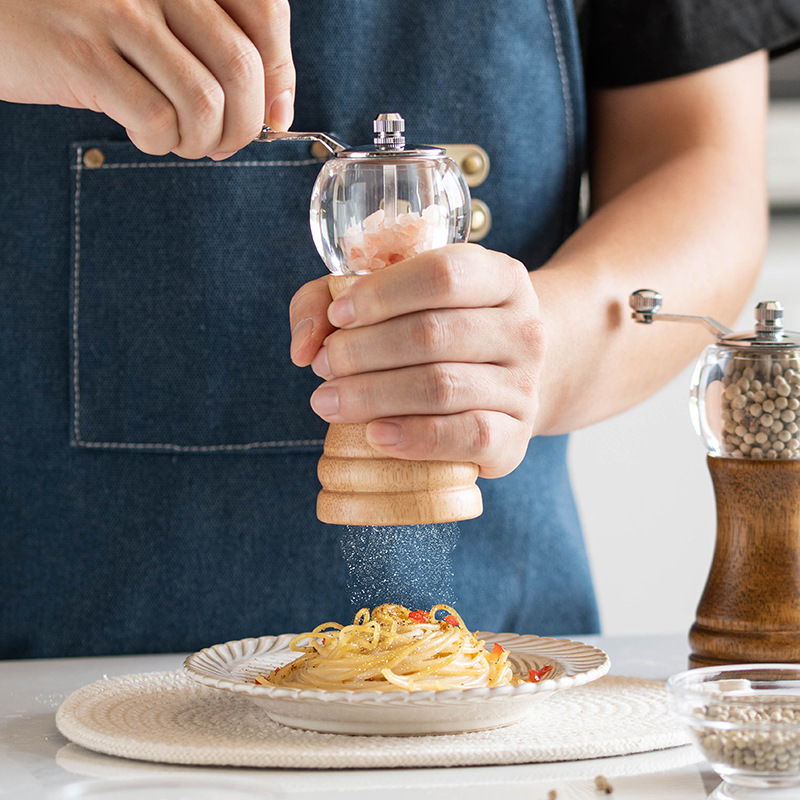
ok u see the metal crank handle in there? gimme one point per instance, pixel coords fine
(332, 145)
(646, 307)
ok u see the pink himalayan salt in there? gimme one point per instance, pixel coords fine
(377, 243)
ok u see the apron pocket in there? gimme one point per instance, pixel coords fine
(182, 273)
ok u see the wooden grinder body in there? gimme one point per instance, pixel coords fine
(750, 609)
(361, 486)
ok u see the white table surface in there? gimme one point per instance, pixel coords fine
(37, 763)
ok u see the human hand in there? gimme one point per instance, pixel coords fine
(192, 77)
(440, 354)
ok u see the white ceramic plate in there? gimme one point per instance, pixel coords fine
(233, 667)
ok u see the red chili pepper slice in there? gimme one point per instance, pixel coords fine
(537, 674)
(450, 619)
(498, 648)
(418, 616)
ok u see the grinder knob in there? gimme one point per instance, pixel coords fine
(645, 303)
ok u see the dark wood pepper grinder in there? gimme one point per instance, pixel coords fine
(745, 403)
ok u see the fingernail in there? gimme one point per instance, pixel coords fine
(281, 112)
(220, 156)
(341, 312)
(301, 333)
(384, 433)
(320, 365)
(325, 401)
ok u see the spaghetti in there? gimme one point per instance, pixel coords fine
(394, 648)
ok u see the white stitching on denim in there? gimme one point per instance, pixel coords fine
(566, 92)
(173, 448)
(200, 448)
(76, 396)
(189, 164)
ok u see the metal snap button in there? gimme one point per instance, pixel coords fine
(472, 159)
(481, 220)
(472, 164)
(94, 158)
(318, 150)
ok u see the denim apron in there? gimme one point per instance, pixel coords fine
(157, 449)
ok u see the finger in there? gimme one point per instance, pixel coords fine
(424, 390)
(309, 321)
(234, 61)
(494, 441)
(456, 276)
(268, 25)
(120, 91)
(194, 92)
(429, 337)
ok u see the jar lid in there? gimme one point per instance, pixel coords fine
(390, 142)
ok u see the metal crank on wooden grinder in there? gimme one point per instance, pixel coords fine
(745, 404)
(371, 207)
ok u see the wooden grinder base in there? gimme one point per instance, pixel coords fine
(361, 486)
(750, 609)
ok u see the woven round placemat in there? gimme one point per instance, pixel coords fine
(166, 717)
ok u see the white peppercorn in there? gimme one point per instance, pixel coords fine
(759, 404)
(773, 750)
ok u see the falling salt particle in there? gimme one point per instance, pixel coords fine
(405, 564)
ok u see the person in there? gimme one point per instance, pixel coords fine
(157, 448)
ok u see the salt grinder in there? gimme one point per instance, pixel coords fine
(745, 403)
(371, 207)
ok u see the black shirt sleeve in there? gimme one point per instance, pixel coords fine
(626, 42)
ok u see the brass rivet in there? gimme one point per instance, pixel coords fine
(472, 164)
(318, 150)
(93, 158)
(481, 220)
(473, 160)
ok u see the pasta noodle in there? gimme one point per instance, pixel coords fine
(393, 648)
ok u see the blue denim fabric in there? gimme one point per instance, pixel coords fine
(157, 451)
(182, 273)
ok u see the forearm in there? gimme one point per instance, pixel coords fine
(691, 225)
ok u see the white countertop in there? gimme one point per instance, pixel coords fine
(37, 763)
